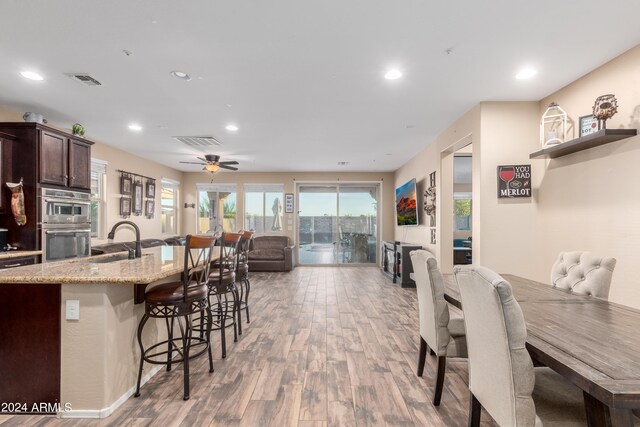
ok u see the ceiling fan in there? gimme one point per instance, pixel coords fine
(212, 163)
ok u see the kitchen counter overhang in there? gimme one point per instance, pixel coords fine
(155, 264)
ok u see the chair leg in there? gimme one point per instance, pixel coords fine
(140, 327)
(208, 335)
(247, 298)
(236, 310)
(442, 364)
(170, 344)
(223, 317)
(186, 340)
(475, 409)
(422, 355)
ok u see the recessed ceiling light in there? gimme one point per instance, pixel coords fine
(180, 75)
(393, 74)
(135, 127)
(526, 73)
(231, 128)
(31, 75)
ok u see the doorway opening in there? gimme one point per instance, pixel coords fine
(462, 203)
(338, 223)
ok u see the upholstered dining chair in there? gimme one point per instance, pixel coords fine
(440, 328)
(501, 373)
(583, 273)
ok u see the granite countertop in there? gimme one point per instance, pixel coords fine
(156, 263)
(18, 254)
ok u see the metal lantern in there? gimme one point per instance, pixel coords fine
(553, 126)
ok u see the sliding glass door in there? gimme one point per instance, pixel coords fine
(337, 223)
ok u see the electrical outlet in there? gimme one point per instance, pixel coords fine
(73, 309)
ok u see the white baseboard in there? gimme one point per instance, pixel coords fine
(105, 412)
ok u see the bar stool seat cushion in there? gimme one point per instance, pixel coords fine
(174, 292)
(227, 277)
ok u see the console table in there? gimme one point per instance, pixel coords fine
(396, 262)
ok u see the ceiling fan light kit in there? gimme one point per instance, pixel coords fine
(212, 163)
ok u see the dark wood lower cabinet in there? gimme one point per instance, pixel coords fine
(30, 344)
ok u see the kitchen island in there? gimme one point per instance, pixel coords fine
(87, 365)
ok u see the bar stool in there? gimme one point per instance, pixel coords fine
(242, 274)
(178, 301)
(222, 286)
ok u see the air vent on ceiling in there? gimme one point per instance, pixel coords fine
(84, 78)
(343, 163)
(198, 141)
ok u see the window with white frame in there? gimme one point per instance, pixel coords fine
(98, 182)
(216, 207)
(169, 205)
(263, 205)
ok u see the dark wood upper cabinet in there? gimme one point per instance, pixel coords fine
(79, 164)
(44, 155)
(53, 158)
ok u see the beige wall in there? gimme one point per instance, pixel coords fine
(289, 180)
(589, 200)
(118, 159)
(584, 201)
(438, 157)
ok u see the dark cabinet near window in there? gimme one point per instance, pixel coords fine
(64, 161)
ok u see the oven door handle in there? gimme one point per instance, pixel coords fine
(67, 201)
(66, 231)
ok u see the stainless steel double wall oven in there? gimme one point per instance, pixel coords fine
(65, 224)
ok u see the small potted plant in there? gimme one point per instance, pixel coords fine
(78, 129)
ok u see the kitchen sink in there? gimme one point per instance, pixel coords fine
(107, 259)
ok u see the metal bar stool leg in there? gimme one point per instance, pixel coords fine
(143, 321)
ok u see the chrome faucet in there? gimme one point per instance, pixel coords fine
(112, 233)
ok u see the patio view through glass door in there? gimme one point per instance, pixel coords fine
(337, 224)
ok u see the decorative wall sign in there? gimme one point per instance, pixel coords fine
(288, 203)
(137, 198)
(588, 125)
(125, 184)
(150, 208)
(151, 189)
(433, 236)
(514, 181)
(125, 206)
(430, 200)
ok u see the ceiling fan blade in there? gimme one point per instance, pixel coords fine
(231, 168)
(194, 163)
(230, 162)
(203, 159)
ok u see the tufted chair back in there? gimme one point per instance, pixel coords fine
(583, 273)
(501, 374)
(432, 307)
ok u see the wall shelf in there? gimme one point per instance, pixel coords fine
(602, 137)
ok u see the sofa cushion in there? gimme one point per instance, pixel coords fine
(266, 254)
(270, 242)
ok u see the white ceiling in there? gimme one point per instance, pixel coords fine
(303, 80)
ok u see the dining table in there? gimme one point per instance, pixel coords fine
(592, 342)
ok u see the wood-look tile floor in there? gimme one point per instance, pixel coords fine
(325, 347)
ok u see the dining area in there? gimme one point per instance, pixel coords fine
(537, 354)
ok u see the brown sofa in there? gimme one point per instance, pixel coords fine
(271, 253)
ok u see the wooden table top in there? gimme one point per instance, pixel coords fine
(592, 342)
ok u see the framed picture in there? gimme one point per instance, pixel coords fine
(137, 198)
(588, 125)
(151, 189)
(125, 206)
(288, 203)
(125, 185)
(149, 208)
